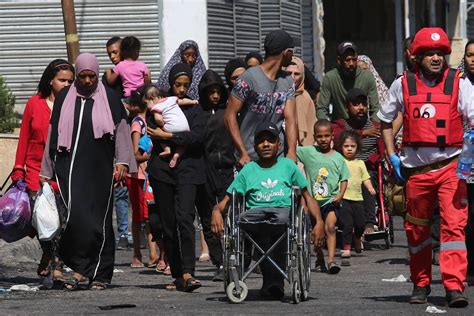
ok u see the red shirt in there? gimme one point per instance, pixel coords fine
(33, 137)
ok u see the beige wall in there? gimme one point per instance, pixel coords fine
(8, 144)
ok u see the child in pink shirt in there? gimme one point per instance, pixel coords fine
(133, 73)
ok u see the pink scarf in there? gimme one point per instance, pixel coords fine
(102, 120)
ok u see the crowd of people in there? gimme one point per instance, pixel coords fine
(177, 146)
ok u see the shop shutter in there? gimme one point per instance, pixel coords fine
(32, 35)
(245, 23)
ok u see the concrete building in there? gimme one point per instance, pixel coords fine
(32, 34)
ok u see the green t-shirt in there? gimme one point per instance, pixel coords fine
(268, 187)
(324, 172)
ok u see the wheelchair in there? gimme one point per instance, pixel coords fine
(296, 235)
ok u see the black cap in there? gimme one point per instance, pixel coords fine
(356, 94)
(277, 41)
(344, 46)
(267, 127)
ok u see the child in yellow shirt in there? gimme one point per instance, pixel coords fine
(352, 208)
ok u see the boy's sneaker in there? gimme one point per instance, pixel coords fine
(320, 266)
(122, 243)
(333, 268)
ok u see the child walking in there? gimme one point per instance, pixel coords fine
(352, 208)
(167, 114)
(136, 183)
(132, 72)
(327, 173)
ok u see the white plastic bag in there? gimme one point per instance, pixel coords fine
(45, 214)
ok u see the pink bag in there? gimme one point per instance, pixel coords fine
(15, 213)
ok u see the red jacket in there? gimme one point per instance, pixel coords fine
(33, 137)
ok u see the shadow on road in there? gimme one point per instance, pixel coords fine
(435, 300)
(393, 261)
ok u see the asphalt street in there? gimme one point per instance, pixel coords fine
(356, 290)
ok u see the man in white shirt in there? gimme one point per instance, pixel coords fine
(433, 99)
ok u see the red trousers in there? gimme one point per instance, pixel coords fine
(422, 190)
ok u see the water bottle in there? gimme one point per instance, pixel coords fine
(463, 170)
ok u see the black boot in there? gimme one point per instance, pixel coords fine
(419, 294)
(455, 298)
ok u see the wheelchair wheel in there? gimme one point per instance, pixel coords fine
(296, 293)
(304, 256)
(234, 295)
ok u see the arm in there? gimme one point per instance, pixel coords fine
(342, 189)
(124, 155)
(47, 167)
(313, 207)
(368, 184)
(322, 110)
(197, 129)
(22, 148)
(139, 157)
(217, 223)
(397, 124)
(147, 78)
(230, 117)
(111, 77)
(291, 130)
(186, 101)
(158, 119)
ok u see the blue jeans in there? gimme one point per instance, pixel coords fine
(121, 209)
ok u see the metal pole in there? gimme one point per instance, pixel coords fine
(398, 36)
(70, 30)
(432, 13)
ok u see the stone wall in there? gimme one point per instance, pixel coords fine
(8, 144)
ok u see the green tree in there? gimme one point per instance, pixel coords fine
(7, 103)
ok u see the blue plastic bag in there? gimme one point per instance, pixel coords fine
(145, 144)
(15, 213)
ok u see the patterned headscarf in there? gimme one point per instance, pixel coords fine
(198, 69)
(382, 89)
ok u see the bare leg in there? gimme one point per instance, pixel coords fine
(151, 246)
(166, 150)
(137, 255)
(204, 257)
(330, 226)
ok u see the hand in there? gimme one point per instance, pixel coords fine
(337, 199)
(158, 133)
(217, 223)
(317, 235)
(120, 172)
(373, 132)
(43, 180)
(372, 191)
(17, 175)
(292, 156)
(245, 158)
(396, 164)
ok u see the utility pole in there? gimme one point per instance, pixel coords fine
(70, 30)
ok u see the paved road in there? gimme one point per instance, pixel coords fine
(356, 290)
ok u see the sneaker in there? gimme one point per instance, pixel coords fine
(320, 266)
(333, 268)
(456, 299)
(219, 275)
(419, 294)
(122, 243)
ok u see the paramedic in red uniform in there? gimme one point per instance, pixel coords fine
(433, 100)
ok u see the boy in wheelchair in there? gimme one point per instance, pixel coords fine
(267, 184)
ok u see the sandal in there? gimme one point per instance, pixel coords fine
(97, 286)
(191, 284)
(176, 285)
(74, 282)
(161, 266)
(167, 270)
(204, 257)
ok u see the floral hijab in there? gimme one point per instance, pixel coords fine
(198, 69)
(382, 89)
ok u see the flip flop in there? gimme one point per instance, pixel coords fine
(167, 270)
(160, 267)
(137, 266)
(176, 285)
(97, 286)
